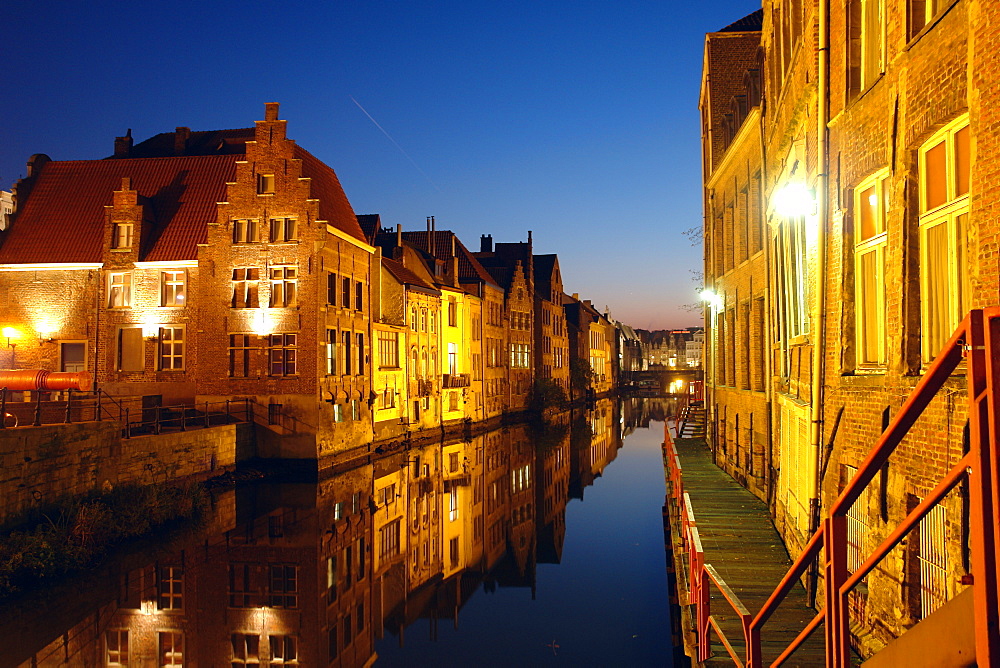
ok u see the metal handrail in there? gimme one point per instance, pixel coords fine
(977, 339)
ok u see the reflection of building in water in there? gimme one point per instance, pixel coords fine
(314, 574)
(595, 441)
(640, 411)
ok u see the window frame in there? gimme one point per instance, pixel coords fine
(246, 287)
(871, 336)
(172, 349)
(122, 235)
(173, 288)
(124, 289)
(283, 279)
(282, 354)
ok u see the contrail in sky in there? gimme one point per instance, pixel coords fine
(395, 143)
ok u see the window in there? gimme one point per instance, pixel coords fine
(870, 206)
(283, 230)
(171, 588)
(265, 183)
(933, 560)
(338, 412)
(433, 317)
(452, 312)
(791, 277)
(388, 350)
(922, 12)
(131, 349)
(453, 504)
(361, 355)
(239, 355)
(284, 586)
(246, 649)
(121, 235)
(345, 292)
(171, 345)
(284, 649)
(240, 594)
(117, 647)
(281, 354)
(331, 289)
(453, 550)
(283, 283)
(452, 358)
(245, 280)
(172, 288)
(245, 231)
(347, 353)
(359, 295)
(72, 356)
(355, 409)
(865, 44)
(171, 648)
(120, 290)
(944, 212)
(331, 351)
(413, 318)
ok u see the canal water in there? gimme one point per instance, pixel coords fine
(522, 546)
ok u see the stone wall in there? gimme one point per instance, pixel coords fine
(38, 465)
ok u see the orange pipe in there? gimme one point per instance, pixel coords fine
(40, 379)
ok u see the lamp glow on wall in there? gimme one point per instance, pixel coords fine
(794, 200)
(44, 330)
(709, 296)
(261, 324)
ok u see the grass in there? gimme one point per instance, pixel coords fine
(76, 534)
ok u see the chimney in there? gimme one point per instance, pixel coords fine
(181, 136)
(486, 243)
(576, 296)
(453, 245)
(430, 244)
(271, 111)
(399, 235)
(123, 145)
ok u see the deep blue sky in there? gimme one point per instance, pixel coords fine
(576, 120)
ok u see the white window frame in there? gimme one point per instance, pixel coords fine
(122, 236)
(173, 288)
(284, 281)
(953, 214)
(870, 327)
(170, 348)
(120, 289)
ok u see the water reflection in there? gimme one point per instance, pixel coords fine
(324, 574)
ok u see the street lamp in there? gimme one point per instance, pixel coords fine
(794, 199)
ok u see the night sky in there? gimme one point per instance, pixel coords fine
(576, 120)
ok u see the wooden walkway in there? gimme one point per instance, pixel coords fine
(740, 541)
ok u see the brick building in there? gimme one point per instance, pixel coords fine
(878, 193)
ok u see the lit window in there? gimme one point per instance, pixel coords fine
(331, 351)
(121, 235)
(452, 358)
(944, 212)
(172, 290)
(284, 586)
(388, 350)
(120, 290)
(171, 648)
(870, 207)
(245, 231)
(284, 229)
(171, 344)
(281, 354)
(265, 183)
(117, 647)
(284, 280)
(245, 281)
(171, 588)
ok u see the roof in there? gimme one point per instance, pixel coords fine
(405, 276)
(62, 219)
(207, 142)
(371, 225)
(333, 205)
(752, 22)
(469, 267)
(546, 270)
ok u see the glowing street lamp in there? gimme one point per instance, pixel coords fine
(712, 299)
(793, 200)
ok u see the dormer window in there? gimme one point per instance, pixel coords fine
(121, 235)
(265, 184)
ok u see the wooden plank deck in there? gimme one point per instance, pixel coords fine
(742, 544)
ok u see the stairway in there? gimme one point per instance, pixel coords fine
(691, 423)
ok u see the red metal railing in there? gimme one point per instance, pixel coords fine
(977, 341)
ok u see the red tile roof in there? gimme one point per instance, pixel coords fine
(333, 205)
(62, 219)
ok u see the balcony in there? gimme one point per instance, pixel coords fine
(452, 380)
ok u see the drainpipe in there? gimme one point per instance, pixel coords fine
(819, 314)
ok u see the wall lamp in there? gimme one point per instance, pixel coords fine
(793, 200)
(712, 299)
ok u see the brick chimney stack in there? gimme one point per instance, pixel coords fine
(270, 111)
(486, 243)
(123, 145)
(181, 136)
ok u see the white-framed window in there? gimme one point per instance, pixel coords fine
(122, 235)
(284, 280)
(944, 213)
(171, 348)
(120, 289)
(239, 355)
(284, 229)
(281, 353)
(331, 351)
(171, 648)
(245, 231)
(245, 282)
(116, 647)
(871, 202)
(173, 287)
(171, 586)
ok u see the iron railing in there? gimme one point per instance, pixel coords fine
(977, 343)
